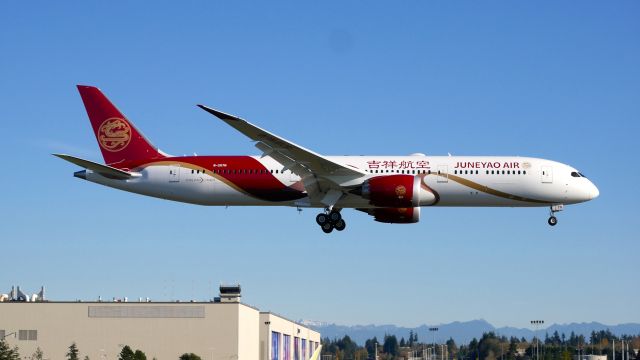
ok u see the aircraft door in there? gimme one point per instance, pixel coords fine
(443, 173)
(546, 174)
(174, 173)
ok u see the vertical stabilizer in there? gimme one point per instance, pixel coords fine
(119, 140)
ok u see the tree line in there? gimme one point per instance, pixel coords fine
(490, 346)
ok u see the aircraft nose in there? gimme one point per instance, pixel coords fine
(593, 191)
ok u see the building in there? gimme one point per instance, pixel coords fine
(222, 329)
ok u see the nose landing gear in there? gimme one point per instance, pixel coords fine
(331, 219)
(554, 209)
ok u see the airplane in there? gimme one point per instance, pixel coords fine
(391, 189)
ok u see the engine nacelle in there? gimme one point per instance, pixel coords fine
(392, 191)
(395, 215)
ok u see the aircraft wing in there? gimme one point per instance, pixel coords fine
(315, 170)
(277, 147)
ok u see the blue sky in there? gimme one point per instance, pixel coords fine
(557, 80)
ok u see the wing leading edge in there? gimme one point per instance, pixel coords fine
(283, 150)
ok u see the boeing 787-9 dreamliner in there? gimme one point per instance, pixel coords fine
(391, 189)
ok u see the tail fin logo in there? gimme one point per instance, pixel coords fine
(114, 134)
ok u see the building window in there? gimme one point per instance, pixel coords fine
(29, 335)
(304, 349)
(275, 345)
(286, 347)
(296, 348)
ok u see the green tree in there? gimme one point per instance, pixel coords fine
(72, 354)
(451, 346)
(473, 349)
(361, 354)
(513, 348)
(189, 356)
(126, 353)
(38, 355)
(7, 353)
(370, 345)
(139, 355)
(390, 345)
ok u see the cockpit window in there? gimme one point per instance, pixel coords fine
(575, 174)
(582, 175)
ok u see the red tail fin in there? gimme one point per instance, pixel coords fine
(120, 141)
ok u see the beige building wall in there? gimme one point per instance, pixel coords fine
(248, 334)
(162, 330)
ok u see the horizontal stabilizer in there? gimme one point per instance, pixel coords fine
(103, 170)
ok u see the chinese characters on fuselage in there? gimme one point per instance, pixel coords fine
(404, 164)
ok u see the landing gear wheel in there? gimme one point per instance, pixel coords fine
(335, 216)
(322, 219)
(340, 225)
(552, 221)
(327, 227)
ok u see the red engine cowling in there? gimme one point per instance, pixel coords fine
(392, 191)
(395, 215)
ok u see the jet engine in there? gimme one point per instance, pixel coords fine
(408, 215)
(392, 191)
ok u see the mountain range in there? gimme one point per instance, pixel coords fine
(462, 332)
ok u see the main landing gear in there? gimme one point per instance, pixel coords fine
(329, 220)
(552, 218)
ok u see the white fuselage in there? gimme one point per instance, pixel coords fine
(446, 181)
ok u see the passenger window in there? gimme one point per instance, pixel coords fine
(524, 171)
